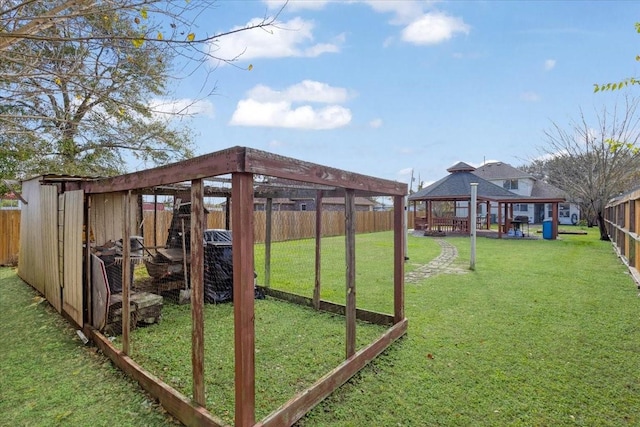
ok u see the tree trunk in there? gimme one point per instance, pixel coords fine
(604, 235)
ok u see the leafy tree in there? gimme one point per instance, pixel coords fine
(77, 80)
(595, 162)
(623, 83)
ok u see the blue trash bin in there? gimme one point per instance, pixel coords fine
(547, 229)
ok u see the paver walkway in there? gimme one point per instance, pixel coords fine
(443, 263)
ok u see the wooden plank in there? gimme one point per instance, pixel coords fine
(100, 293)
(350, 255)
(49, 227)
(197, 290)
(330, 307)
(30, 245)
(263, 163)
(218, 163)
(243, 294)
(126, 271)
(267, 241)
(173, 401)
(318, 260)
(399, 236)
(300, 404)
(73, 291)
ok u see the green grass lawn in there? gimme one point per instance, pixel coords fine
(542, 333)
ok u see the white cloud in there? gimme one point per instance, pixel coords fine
(293, 38)
(433, 28)
(405, 172)
(282, 114)
(167, 108)
(530, 97)
(404, 11)
(375, 123)
(549, 64)
(271, 108)
(307, 90)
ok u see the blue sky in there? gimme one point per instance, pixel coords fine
(384, 87)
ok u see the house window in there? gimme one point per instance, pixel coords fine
(510, 184)
(303, 206)
(521, 207)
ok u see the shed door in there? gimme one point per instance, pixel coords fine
(71, 218)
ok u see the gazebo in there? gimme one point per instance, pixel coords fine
(448, 204)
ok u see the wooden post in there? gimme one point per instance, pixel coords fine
(197, 290)
(126, 271)
(243, 294)
(399, 235)
(227, 214)
(155, 218)
(554, 220)
(87, 260)
(316, 287)
(488, 215)
(350, 243)
(267, 242)
(499, 220)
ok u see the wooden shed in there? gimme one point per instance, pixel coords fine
(55, 253)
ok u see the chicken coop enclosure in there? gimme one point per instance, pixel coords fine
(142, 262)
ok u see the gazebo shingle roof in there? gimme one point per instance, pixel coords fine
(458, 185)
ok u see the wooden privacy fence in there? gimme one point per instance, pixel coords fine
(622, 218)
(286, 225)
(9, 236)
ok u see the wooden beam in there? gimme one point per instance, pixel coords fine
(243, 294)
(300, 404)
(330, 307)
(197, 290)
(172, 400)
(399, 236)
(350, 242)
(218, 163)
(267, 242)
(316, 286)
(126, 271)
(263, 163)
(249, 160)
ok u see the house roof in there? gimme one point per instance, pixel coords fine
(500, 170)
(457, 185)
(543, 190)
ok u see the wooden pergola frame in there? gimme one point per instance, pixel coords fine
(242, 164)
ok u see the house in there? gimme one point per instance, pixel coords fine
(524, 184)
